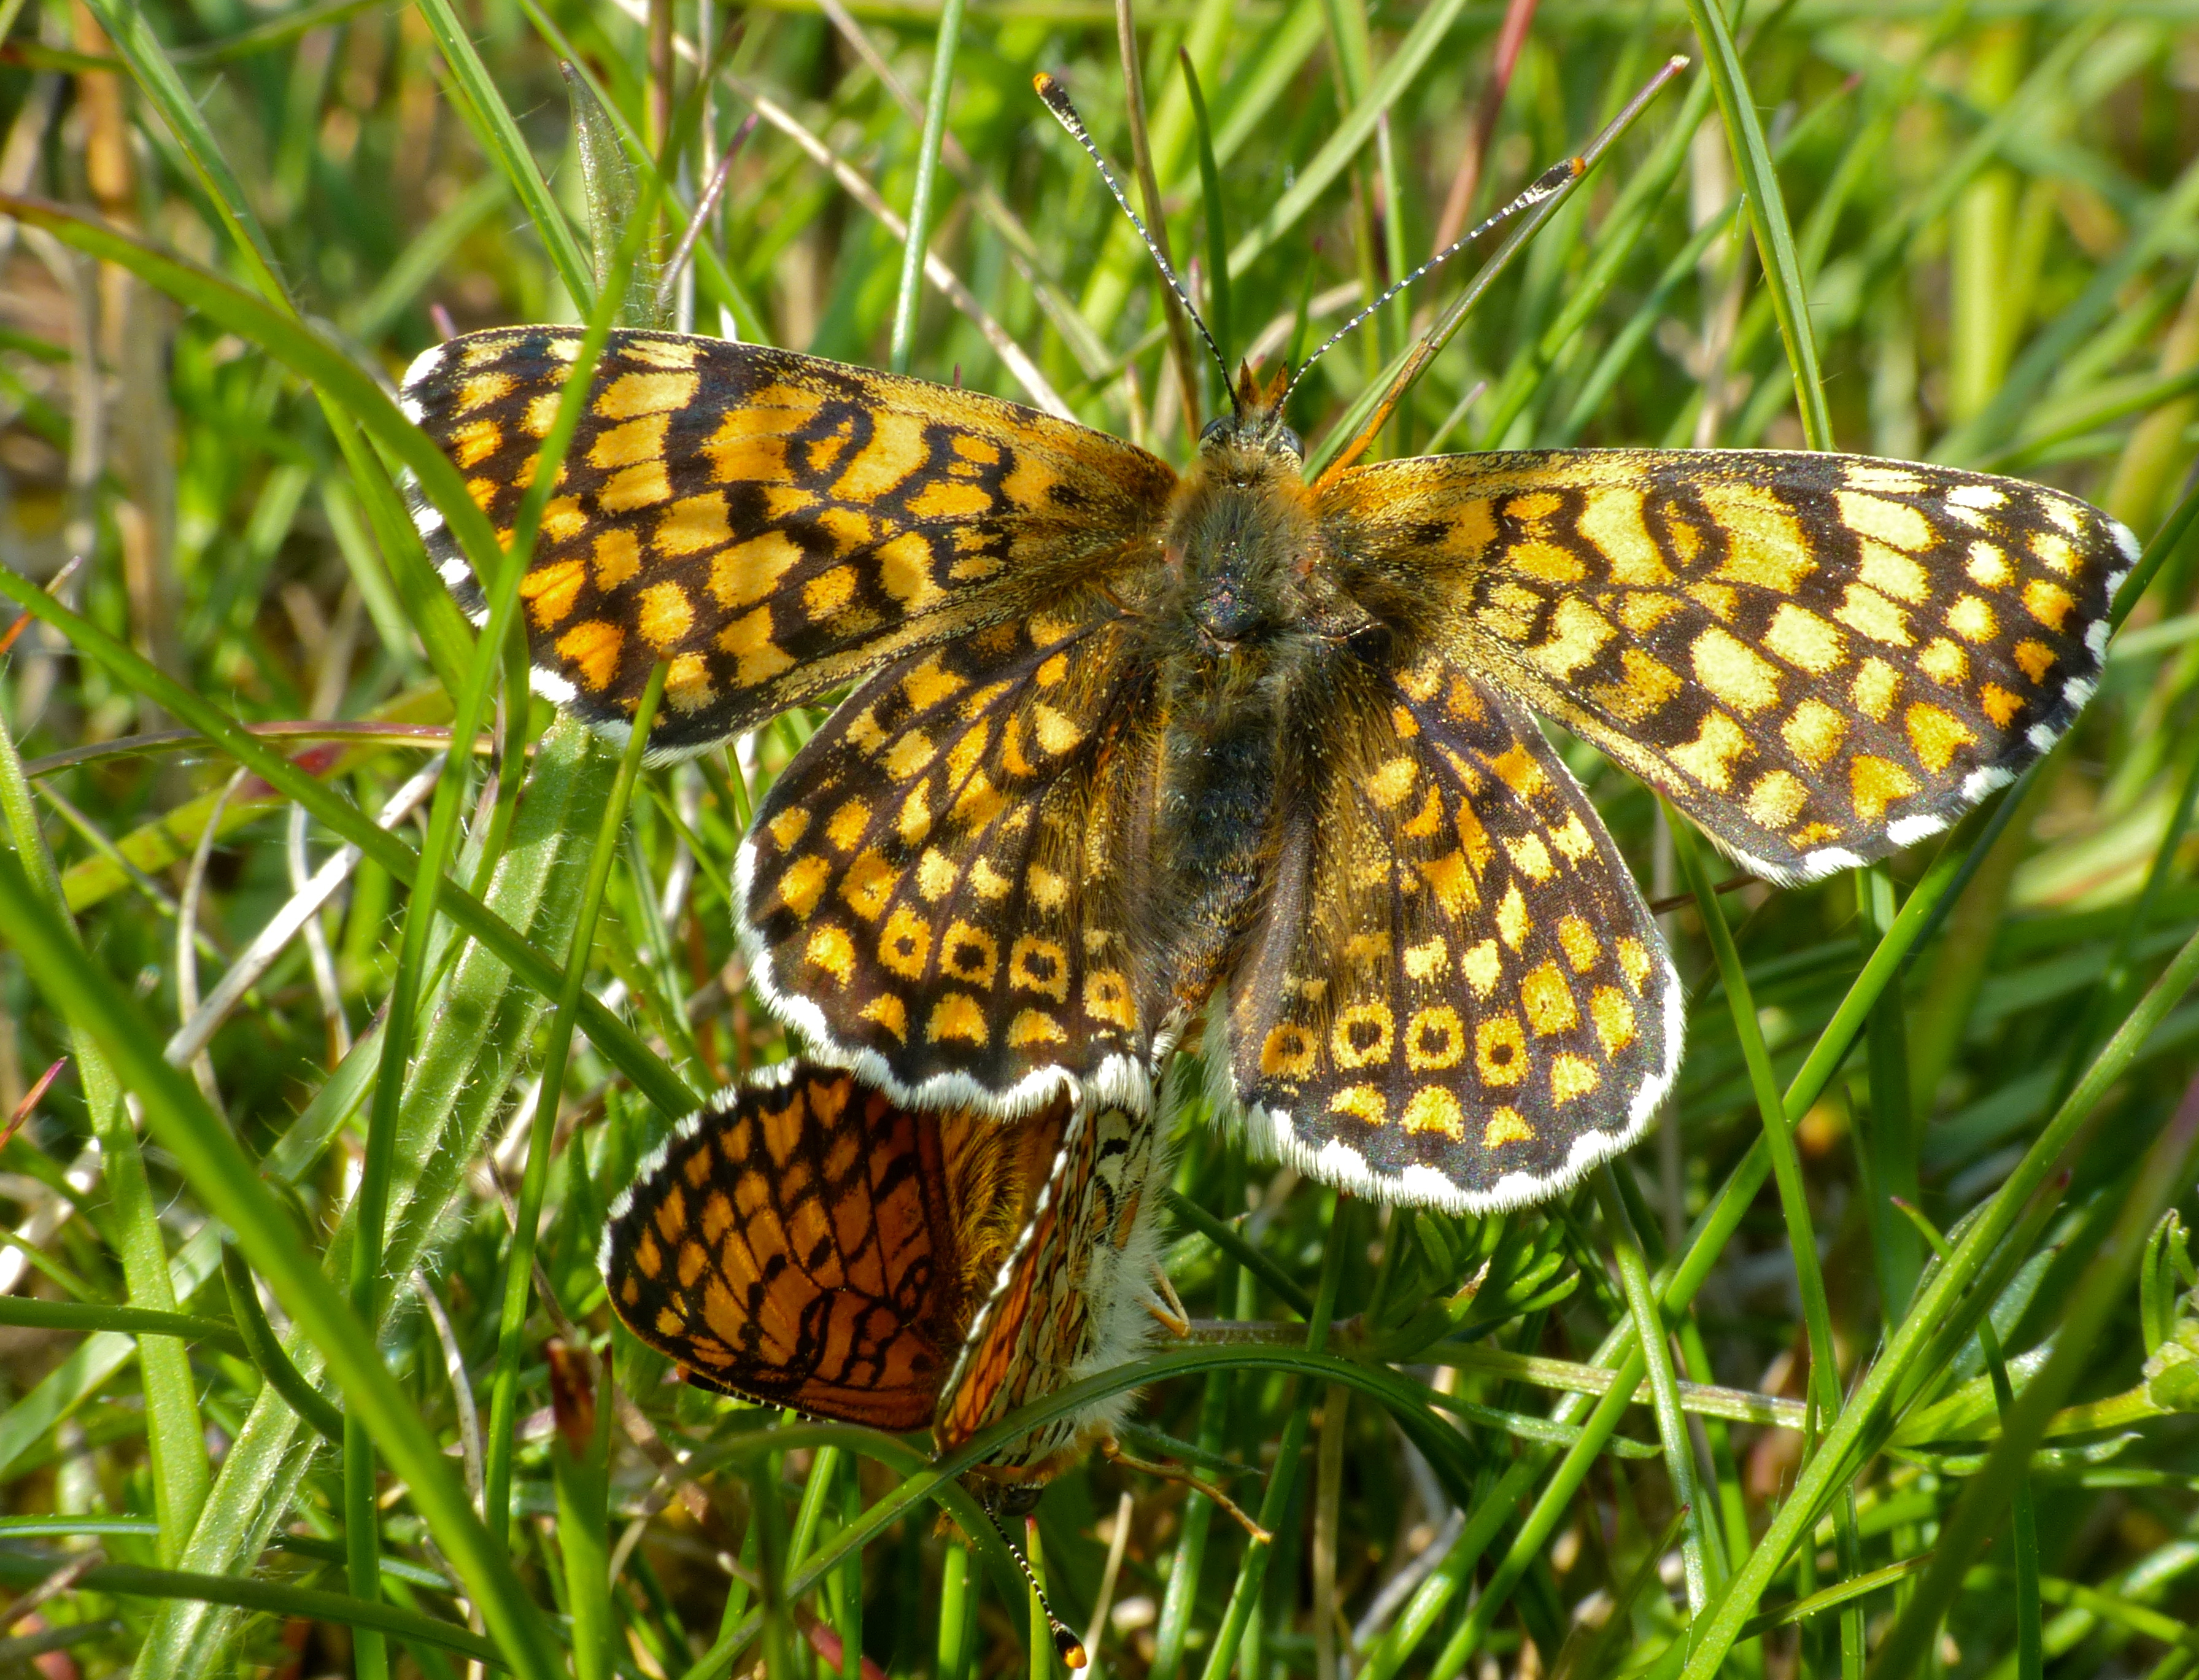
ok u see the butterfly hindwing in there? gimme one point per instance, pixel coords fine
(1821, 658)
(1073, 1297)
(771, 524)
(932, 890)
(1458, 996)
(798, 1242)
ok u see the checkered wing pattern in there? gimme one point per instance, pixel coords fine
(771, 525)
(1820, 658)
(933, 890)
(1458, 996)
(1074, 1299)
(801, 1241)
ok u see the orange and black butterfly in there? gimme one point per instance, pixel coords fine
(1122, 741)
(804, 1240)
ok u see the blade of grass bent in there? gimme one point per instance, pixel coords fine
(231, 1190)
(175, 1436)
(519, 1267)
(1767, 214)
(1933, 1306)
(534, 966)
(910, 297)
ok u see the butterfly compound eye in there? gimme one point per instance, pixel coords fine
(1214, 429)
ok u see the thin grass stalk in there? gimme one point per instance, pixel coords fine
(175, 1437)
(910, 299)
(1700, 1555)
(1767, 215)
(519, 1267)
(232, 1191)
(2029, 1655)
(475, 95)
(1218, 320)
(1282, 1485)
(1934, 1307)
(1888, 1149)
(1038, 1631)
(956, 1602)
(471, 704)
(2166, 1173)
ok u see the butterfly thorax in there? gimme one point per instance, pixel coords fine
(1240, 622)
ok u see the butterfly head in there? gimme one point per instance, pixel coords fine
(1255, 423)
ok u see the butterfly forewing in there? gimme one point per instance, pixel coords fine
(769, 524)
(933, 888)
(1821, 658)
(1459, 996)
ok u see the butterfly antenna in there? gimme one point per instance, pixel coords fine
(1066, 1645)
(1548, 184)
(1064, 112)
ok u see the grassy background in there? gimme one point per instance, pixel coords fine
(1970, 235)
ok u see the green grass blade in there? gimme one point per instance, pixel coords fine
(910, 297)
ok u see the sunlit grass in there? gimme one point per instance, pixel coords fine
(1961, 232)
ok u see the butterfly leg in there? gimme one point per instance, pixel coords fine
(1111, 1450)
(1168, 1310)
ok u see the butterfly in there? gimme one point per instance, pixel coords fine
(1127, 753)
(804, 1240)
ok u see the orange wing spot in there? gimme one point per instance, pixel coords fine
(1633, 960)
(1035, 1026)
(889, 1012)
(869, 883)
(687, 685)
(1734, 672)
(1107, 998)
(739, 456)
(1803, 639)
(1512, 919)
(1532, 857)
(803, 883)
(562, 519)
(484, 491)
(1040, 966)
(1500, 1050)
(592, 649)
(930, 683)
(936, 875)
(1875, 783)
(1987, 566)
(1483, 965)
(552, 589)
(845, 827)
(1549, 1000)
(1435, 1038)
(1868, 613)
(1894, 573)
(905, 944)
(643, 485)
(2001, 706)
(693, 524)
(987, 882)
(1936, 737)
(1578, 941)
(980, 804)
(749, 572)
(1814, 732)
(945, 499)
(1505, 1126)
(1426, 822)
(632, 394)
(1517, 769)
(1943, 661)
(831, 950)
(1447, 878)
(757, 658)
(1047, 890)
(1427, 960)
(475, 441)
(1287, 1053)
(666, 614)
(623, 445)
(957, 1016)
(1434, 1109)
(618, 557)
(2049, 603)
(970, 954)
(896, 450)
(1360, 1036)
(1363, 1103)
(1710, 757)
(2034, 659)
(1973, 619)
(908, 755)
(788, 827)
(1613, 1016)
(1571, 1076)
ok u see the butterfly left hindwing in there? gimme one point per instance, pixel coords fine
(1458, 996)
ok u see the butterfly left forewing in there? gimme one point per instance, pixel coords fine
(1821, 658)
(1457, 996)
(771, 526)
